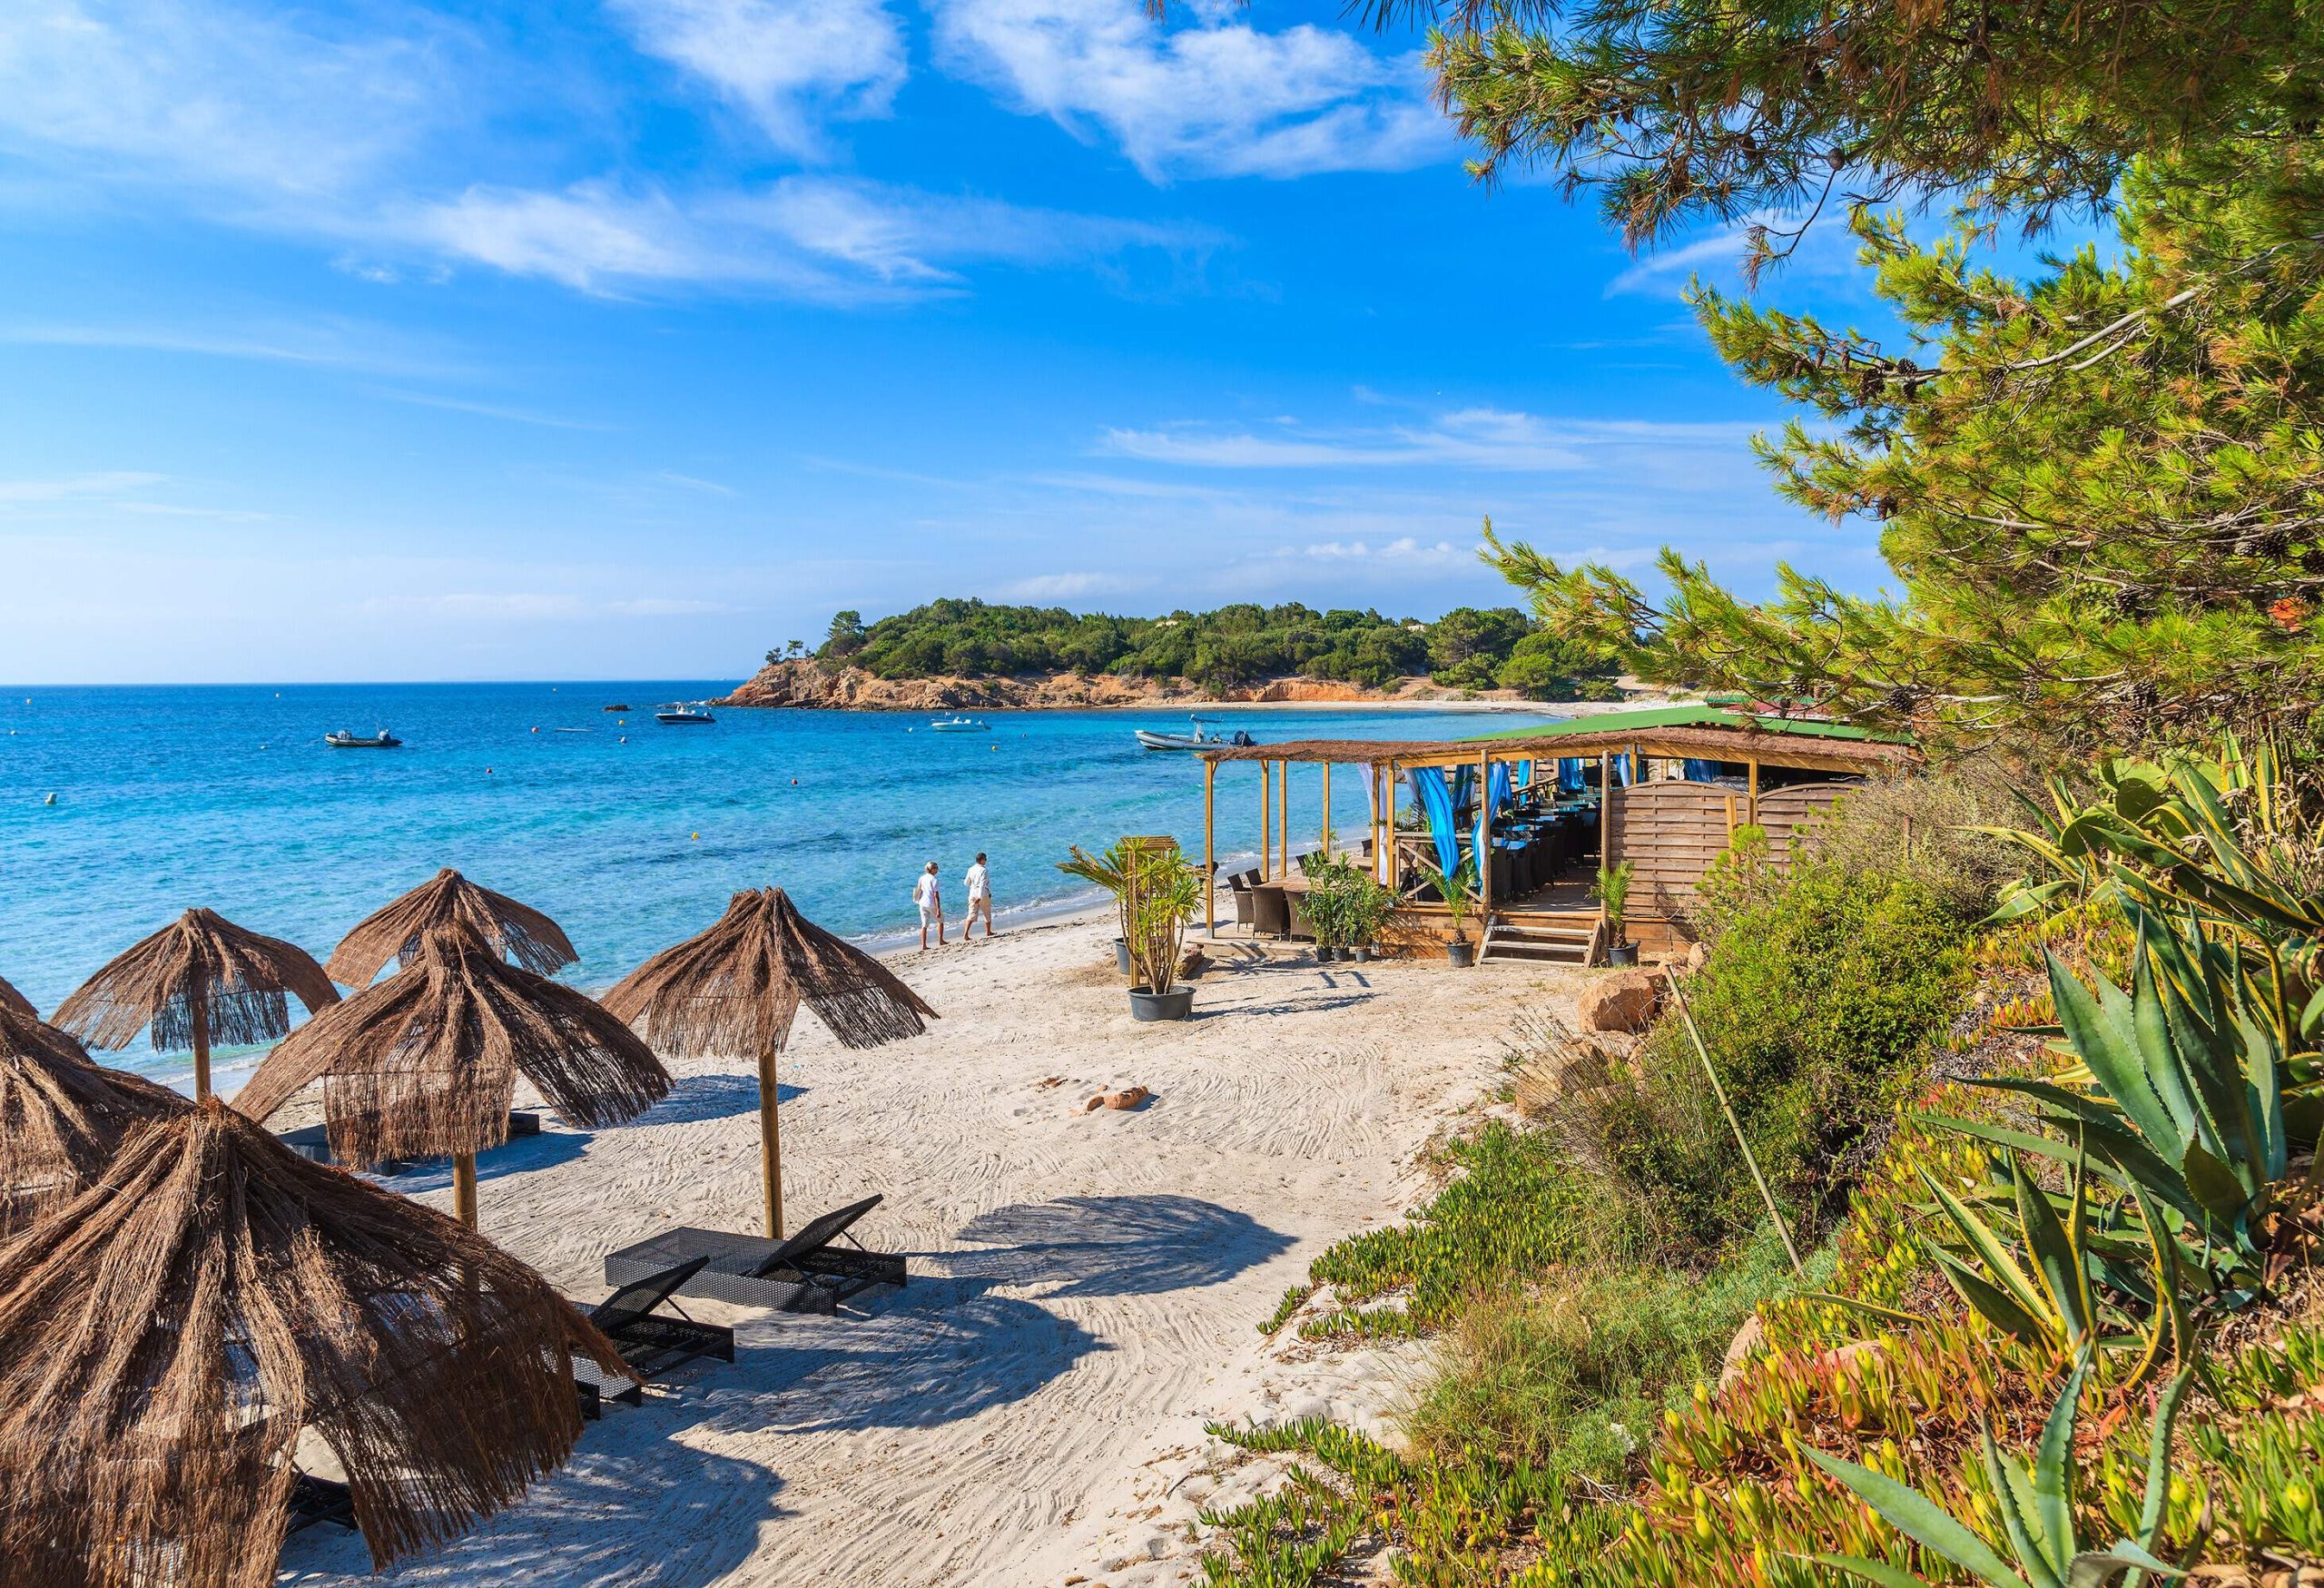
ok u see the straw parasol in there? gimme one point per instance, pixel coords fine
(12, 999)
(425, 1063)
(735, 987)
(198, 981)
(517, 931)
(61, 1118)
(166, 1335)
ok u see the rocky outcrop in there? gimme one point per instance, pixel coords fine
(805, 683)
(1623, 1002)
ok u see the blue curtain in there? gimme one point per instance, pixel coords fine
(1497, 796)
(1569, 776)
(1702, 771)
(1436, 804)
(1623, 771)
(1500, 788)
(1524, 773)
(1464, 788)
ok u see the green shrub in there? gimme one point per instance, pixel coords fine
(1817, 1001)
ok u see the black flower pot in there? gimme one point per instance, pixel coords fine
(1361, 954)
(1175, 1004)
(1622, 953)
(1121, 956)
(1461, 952)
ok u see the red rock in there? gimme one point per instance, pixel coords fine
(1622, 1001)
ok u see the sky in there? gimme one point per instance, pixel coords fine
(631, 339)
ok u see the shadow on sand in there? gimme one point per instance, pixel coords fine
(1114, 1246)
(517, 1155)
(941, 1350)
(653, 1514)
(696, 1097)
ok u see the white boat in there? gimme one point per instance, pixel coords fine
(1196, 740)
(682, 716)
(955, 724)
(345, 739)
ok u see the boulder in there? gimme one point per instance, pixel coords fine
(1746, 1344)
(1623, 1002)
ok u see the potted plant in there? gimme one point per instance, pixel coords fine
(1364, 911)
(1324, 906)
(1614, 895)
(1459, 892)
(1156, 888)
(1106, 871)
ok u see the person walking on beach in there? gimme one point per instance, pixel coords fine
(930, 900)
(980, 899)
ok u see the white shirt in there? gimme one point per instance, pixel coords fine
(923, 891)
(976, 881)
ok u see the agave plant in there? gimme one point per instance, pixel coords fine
(2036, 1502)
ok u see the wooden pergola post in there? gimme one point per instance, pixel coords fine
(1605, 809)
(1384, 822)
(1485, 836)
(1751, 789)
(1266, 815)
(1328, 810)
(1283, 815)
(1209, 861)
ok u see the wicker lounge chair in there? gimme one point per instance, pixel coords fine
(652, 1342)
(806, 1273)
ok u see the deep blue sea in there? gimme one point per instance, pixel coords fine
(630, 834)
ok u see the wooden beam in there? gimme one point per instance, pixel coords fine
(1267, 816)
(1605, 808)
(1485, 836)
(1328, 810)
(1283, 814)
(1751, 788)
(1210, 859)
(464, 1188)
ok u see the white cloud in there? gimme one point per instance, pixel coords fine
(835, 239)
(1215, 98)
(1467, 438)
(1406, 550)
(787, 62)
(214, 94)
(1068, 587)
(111, 483)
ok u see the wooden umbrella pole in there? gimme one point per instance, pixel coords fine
(464, 1188)
(197, 1009)
(770, 1142)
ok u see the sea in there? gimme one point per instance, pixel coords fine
(121, 807)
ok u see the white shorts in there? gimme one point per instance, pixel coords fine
(932, 913)
(979, 902)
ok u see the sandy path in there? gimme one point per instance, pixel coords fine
(1083, 1285)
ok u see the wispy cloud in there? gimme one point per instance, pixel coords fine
(334, 344)
(1208, 96)
(833, 240)
(1479, 438)
(110, 483)
(788, 64)
(1068, 586)
(491, 411)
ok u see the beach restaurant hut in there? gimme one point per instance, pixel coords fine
(168, 1335)
(1541, 810)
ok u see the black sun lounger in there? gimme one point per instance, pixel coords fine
(806, 1273)
(652, 1342)
(320, 1500)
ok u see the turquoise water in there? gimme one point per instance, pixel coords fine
(631, 835)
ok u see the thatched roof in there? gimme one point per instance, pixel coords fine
(237, 978)
(165, 1335)
(734, 988)
(61, 1118)
(517, 931)
(1751, 741)
(426, 1062)
(12, 999)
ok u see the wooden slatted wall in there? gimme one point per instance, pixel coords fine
(1671, 832)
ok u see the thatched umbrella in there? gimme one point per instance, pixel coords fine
(12, 999)
(519, 931)
(735, 987)
(198, 981)
(61, 1118)
(166, 1335)
(425, 1064)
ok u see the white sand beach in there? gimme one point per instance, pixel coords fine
(1084, 1291)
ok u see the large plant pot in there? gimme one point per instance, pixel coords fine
(1622, 953)
(1360, 954)
(1121, 956)
(1461, 952)
(1175, 1005)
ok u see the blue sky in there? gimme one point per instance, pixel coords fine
(630, 338)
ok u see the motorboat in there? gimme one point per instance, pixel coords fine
(956, 725)
(345, 739)
(682, 715)
(1196, 740)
